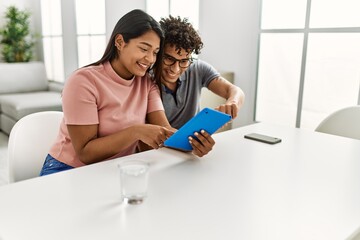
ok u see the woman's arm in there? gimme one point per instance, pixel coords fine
(90, 148)
(156, 118)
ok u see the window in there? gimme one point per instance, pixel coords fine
(183, 8)
(85, 42)
(90, 22)
(52, 39)
(308, 60)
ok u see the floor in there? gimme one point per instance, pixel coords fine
(3, 159)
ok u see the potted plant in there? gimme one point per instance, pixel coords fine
(16, 41)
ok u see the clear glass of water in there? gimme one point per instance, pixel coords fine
(134, 175)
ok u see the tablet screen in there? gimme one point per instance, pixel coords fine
(207, 119)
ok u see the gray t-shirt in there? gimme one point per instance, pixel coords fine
(187, 103)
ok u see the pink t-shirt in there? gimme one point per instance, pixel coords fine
(97, 95)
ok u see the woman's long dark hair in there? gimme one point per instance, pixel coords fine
(132, 25)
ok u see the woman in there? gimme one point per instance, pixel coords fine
(112, 104)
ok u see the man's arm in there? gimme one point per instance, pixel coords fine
(233, 94)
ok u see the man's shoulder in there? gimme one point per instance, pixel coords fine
(199, 65)
(199, 62)
(202, 67)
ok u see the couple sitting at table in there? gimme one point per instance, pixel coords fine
(114, 104)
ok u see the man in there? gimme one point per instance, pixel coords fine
(182, 78)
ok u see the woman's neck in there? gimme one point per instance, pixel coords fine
(121, 70)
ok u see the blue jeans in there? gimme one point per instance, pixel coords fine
(51, 165)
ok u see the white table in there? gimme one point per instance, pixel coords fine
(307, 187)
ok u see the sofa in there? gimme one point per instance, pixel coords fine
(25, 89)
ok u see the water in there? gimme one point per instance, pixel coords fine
(134, 181)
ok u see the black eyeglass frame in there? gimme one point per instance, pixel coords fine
(188, 61)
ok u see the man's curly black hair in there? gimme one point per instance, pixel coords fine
(181, 34)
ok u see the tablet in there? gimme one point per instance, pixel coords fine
(207, 119)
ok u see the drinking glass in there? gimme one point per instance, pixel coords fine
(134, 175)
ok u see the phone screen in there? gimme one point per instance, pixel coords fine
(262, 138)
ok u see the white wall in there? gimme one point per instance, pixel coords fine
(115, 9)
(229, 29)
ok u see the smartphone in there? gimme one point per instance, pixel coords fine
(262, 138)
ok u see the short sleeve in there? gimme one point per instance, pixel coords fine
(154, 99)
(80, 100)
(208, 72)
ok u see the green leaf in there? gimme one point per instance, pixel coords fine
(16, 40)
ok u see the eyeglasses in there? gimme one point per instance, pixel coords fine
(183, 63)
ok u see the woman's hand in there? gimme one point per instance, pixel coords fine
(203, 144)
(153, 135)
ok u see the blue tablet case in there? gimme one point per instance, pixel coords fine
(208, 119)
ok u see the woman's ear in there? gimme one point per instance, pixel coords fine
(119, 41)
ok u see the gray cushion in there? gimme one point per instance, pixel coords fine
(19, 105)
(23, 77)
(56, 86)
(6, 123)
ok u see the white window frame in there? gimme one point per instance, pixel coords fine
(306, 31)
